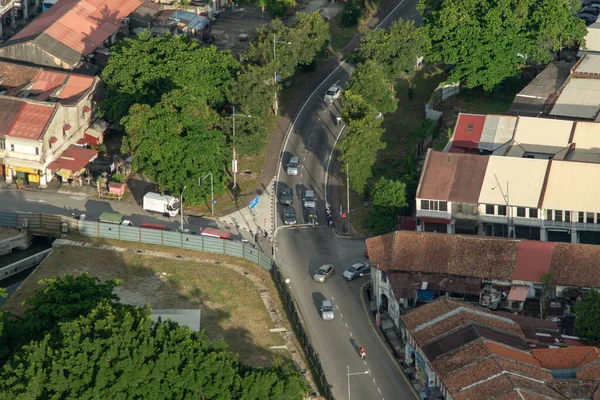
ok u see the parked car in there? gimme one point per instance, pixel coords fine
(333, 93)
(327, 310)
(289, 216)
(286, 196)
(590, 10)
(293, 166)
(587, 18)
(309, 199)
(324, 273)
(356, 271)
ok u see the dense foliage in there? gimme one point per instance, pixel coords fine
(351, 12)
(587, 319)
(388, 199)
(490, 40)
(116, 351)
(371, 82)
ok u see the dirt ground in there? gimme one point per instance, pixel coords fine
(232, 309)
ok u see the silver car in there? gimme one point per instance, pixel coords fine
(293, 166)
(309, 199)
(327, 310)
(356, 270)
(324, 273)
(333, 93)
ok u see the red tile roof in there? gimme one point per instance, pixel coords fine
(576, 265)
(73, 159)
(533, 260)
(82, 25)
(452, 177)
(31, 121)
(566, 357)
(467, 133)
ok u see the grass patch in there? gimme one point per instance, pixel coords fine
(232, 308)
(477, 101)
(340, 35)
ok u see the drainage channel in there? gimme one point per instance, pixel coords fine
(13, 282)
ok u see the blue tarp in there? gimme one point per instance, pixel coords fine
(426, 295)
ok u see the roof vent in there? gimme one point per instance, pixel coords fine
(470, 128)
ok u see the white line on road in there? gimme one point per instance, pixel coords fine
(350, 334)
(332, 299)
(379, 390)
(346, 324)
(35, 201)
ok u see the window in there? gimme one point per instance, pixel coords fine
(12, 147)
(443, 206)
(558, 215)
(533, 213)
(459, 207)
(383, 277)
(567, 216)
(581, 216)
(424, 204)
(589, 218)
(2, 144)
(37, 151)
(549, 215)
(501, 210)
(489, 209)
(520, 211)
(598, 218)
(434, 205)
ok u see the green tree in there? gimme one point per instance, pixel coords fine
(354, 106)
(175, 142)
(587, 316)
(250, 133)
(351, 12)
(371, 83)
(359, 150)
(490, 40)
(396, 48)
(141, 69)
(253, 90)
(389, 198)
(311, 32)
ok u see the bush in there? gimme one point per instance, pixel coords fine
(351, 13)
(278, 8)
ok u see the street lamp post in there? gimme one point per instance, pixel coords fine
(347, 199)
(234, 161)
(275, 42)
(508, 207)
(351, 374)
(181, 208)
(212, 196)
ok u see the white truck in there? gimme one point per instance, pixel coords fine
(166, 205)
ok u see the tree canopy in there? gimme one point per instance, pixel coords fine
(177, 141)
(587, 316)
(396, 48)
(117, 351)
(389, 197)
(141, 70)
(371, 83)
(490, 40)
(359, 149)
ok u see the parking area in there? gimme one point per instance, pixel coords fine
(235, 22)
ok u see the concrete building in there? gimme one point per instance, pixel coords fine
(459, 351)
(43, 114)
(67, 35)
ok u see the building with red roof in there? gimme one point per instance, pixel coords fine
(467, 133)
(69, 32)
(42, 114)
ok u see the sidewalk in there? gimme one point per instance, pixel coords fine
(54, 187)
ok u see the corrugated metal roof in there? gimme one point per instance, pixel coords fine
(497, 130)
(452, 177)
(589, 64)
(467, 131)
(592, 39)
(571, 186)
(9, 109)
(541, 135)
(76, 85)
(31, 121)
(46, 80)
(579, 99)
(587, 142)
(533, 260)
(524, 176)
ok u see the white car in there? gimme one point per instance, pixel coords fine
(356, 270)
(332, 94)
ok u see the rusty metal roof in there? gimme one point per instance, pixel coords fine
(9, 109)
(31, 121)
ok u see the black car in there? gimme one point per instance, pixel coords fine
(208, 39)
(590, 10)
(289, 216)
(286, 196)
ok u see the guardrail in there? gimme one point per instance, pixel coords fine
(54, 225)
(26, 263)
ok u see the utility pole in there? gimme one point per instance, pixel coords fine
(234, 161)
(181, 208)
(347, 199)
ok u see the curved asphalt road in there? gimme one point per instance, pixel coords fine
(301, 250)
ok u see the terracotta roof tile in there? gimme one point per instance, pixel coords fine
(14, 75)
(533, 386)
(576, 265)
(589, 371)
(430, 311)
(452, 177)
(473, 256)
(566, 357)
(574, 389)
(525, 369)
(485, 390)
(458, 359)
(512, 354)
(471, 374)
(512, 395)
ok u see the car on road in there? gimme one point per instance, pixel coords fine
(293, 166)
(286, 196)
(324, 273)
(309, 199)
(289, 216)
(356, 270)
(333, 93)
(327, 310)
